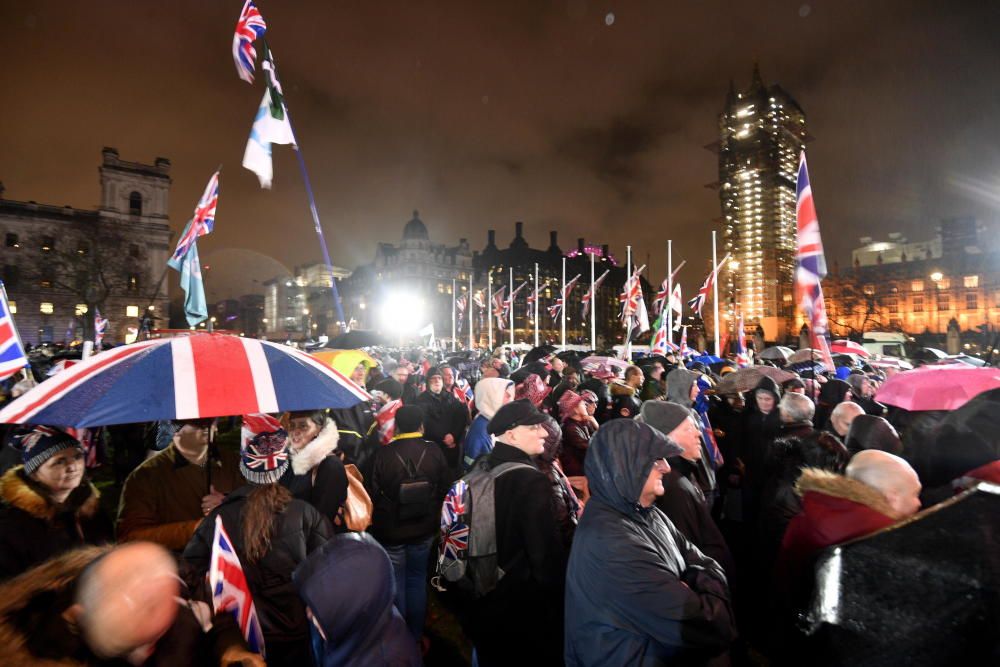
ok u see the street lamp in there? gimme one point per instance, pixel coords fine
(936, 278)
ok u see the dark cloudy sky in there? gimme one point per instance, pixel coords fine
(483, 113)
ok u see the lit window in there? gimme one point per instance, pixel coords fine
(48, 243)
(13, 307)
(45, 308)
(81, 309)
(971, 281)
(918, 304)
(131, 311)
(917, 286)
(971, 301)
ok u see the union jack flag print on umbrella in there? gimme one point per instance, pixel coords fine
(230, 591)
(249, 27)
(186, 377)
(201, 223)
(810, 266)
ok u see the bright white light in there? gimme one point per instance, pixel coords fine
(402, 313)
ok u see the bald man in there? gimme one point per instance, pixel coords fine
(121, 606)
(842, 416)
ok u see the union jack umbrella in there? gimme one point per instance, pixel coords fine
(186, 377)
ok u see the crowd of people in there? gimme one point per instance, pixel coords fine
(614, 514)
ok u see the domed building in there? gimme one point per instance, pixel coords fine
(416, 273)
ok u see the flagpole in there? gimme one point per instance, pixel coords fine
(536, 304)
(628, 278)
(562, 295)
(715, 295)
(489, 308)
(510, 313)
(469, 305)
(454, 293)
(670, 287)
(593, 306)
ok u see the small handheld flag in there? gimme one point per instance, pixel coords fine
(249, 27)
(100, 326)
(12, 356)
(230, 591)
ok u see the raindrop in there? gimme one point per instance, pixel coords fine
(609, 18)
(804, 10)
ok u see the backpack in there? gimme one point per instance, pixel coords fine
(414, 496)
(467, 554)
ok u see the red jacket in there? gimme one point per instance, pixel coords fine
(835, 509)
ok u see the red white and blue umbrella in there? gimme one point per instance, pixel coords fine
(187, 377)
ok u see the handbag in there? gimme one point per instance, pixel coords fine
(357, 510)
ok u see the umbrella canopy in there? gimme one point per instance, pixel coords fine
(536, 353)
(345, 361)
(355, 339)
(812, 368)
(805, 354)
(776, 353)
(707, 359)
(746, 379)
(185, 377)
(845, 346)
(937, 387)
(891, 362)
(595, 362)
(651, 359)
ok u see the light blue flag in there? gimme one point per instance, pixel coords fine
(195, 307)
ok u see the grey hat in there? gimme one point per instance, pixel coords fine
(663, 415)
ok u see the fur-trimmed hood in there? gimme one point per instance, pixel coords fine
(313, 453)
(29, 496)
(839, 486)
(621, 389)
(49, 579)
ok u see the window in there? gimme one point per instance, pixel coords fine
(944, 283)
(45, 308)
(132, 282)
(971, 281)
(131, 311)
(917, 286)
(10, 275)
(48, 243)
(11, 241)
(13, 307)
(46, 277)
(943, 302)
(918, 304)
(81, 309)
(893, 305)
(971, 301)
(135, 203)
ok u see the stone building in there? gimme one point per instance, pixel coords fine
(60, 263)
(300, 305)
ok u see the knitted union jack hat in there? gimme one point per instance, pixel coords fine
(40, 444)
(263, 449)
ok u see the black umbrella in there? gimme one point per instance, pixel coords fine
(652, 359)
(539, 368)
(352, 340)
(536, 353)
(927, 589)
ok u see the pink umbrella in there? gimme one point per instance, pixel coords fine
(937, 387)
(845, 346)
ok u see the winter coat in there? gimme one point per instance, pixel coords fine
(489, 397)
(831, 394)
(388, 472)
(603, 411)
(348, 585)
(38, 600)
(296, 532)
(444, 415)
(576, 440)
(653, 389)
(759, 430)
(624, 402)
(684, 503)
(531, 554)
(161, 499)
(353, 425)
(317, 475)
(637, 591)
(34, 529)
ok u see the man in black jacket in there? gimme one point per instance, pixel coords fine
(445, 418)
(529, 551)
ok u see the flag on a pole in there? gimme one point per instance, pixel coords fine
(270, 125)
(461, 303)
(742, 357)
(195, 306)
(556, 308)
(100, 326)
(12, 356)
(662, 295)
(698, 302)
(659, 343)
(589, 296)
(810, 266)
(203, 220)
(509, 300)
(630, 297)
(677, 305)
(249, 27)
(684, 349)
(230, 591)
(498, 307)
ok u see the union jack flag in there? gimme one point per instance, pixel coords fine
(385, 418)
(264, 440)
(454, 504)
(631, 296)
(556, 308)
(499, 307)
(664, 293)
(12, 356)
(592, 291)
(100, 326)
(477, 299)
(659, 343)
(742, 357)
(249, 28)
(230, 591)
(203, 221)
(455, 542)
(810, 264)
(698, 302)
(683, 348)
(513, 295)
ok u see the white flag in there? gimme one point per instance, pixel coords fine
(676, 302)
(267, 130)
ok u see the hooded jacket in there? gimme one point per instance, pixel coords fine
(34, 529)
(489, 397)
(348, 586)
(637, 591)
(317, 475)
(679, 382)
(831, 394)
(869, 432)
(353, 425)
(759, 431)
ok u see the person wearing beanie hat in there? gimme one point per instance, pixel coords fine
(408, 481)
(271, 533)
(445, 418)
(578, 428)
(48, 506)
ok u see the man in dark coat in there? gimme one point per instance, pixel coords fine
(683, 501)
(353, 425)
(445, 418)
(637, 591)
(529, 551)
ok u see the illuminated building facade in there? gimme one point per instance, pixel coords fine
(762, 130)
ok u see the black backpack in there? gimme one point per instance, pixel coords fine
(415, 492)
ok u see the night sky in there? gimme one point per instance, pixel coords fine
(589, 118)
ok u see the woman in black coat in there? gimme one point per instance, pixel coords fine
(316, 474)
(48, 506)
